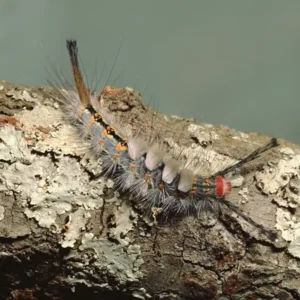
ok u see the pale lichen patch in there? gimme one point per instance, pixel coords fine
(2, 210)
(241, 136)
(290, 230)
(60, 137)
(141, 294)
(282, 181)
(244, 192)
(44, 216)
(21, 95)
(294, 247)
(123, 262)
(45, 189)
(203, 136)
(124, 222)
(288, 224)
(12, 146)
(77, 223)
(276, 179)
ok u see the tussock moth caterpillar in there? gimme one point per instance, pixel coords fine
(144, 169)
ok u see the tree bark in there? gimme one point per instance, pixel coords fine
(66, 233)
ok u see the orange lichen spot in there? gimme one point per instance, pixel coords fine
(104, 133)
(132, 166)
(101, 141)
(148, 176)
(92, 119)
(112, 91)
(89, 126)
(8, 120)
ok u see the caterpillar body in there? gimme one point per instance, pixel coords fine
(146, 171)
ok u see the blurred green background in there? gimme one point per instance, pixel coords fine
(230, 62)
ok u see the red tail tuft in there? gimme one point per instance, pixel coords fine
(223, 187)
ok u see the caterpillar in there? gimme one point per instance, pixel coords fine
(146, 171)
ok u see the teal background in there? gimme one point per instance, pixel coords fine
(229, 62)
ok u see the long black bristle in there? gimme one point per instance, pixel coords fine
(268, 233)
(253, 155)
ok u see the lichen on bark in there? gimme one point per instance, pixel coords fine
(65, 231)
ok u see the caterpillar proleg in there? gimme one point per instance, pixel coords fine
(146, 171)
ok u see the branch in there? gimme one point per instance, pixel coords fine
(65, 232)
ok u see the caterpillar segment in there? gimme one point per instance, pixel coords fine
(146, 171)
